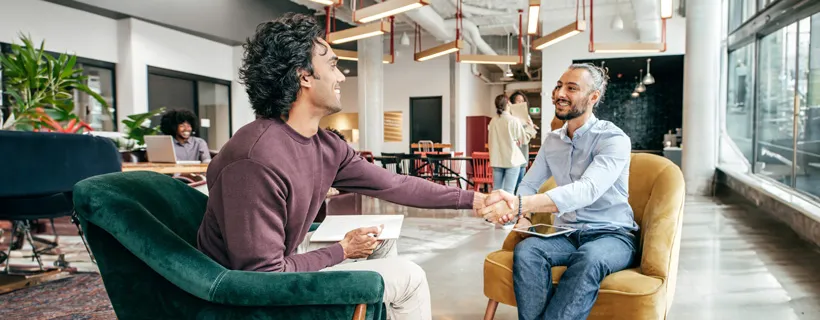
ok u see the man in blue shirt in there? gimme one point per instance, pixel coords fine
(589, 159)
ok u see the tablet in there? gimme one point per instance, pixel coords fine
(544, 230)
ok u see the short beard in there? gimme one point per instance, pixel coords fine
(574, 113)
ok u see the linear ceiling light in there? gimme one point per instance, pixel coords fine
(365, 31)
(532, 20)
(439, 51)
(334, 3)
(489, 59)
(386, 9)
(666, 9)
(354, 56)
(559, 35)
(628, 47)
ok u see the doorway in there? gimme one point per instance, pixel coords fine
(209, 99)
(425, 119)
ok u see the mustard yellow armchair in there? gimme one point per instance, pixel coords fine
(656, 194)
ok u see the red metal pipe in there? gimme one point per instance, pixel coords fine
(591, 26)
(520, 36)
(327, 23)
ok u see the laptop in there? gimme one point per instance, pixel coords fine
(160, 149)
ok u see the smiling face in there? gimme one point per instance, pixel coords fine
(184, 130)
(323, 88)
(574, 94)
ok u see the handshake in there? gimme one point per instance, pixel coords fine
(498, 207)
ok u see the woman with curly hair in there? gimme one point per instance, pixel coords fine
(181, 124)
(268, 183)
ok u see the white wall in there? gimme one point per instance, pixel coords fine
(131, 44)
(558, 57)
(143, 44)
(240, 105)
(63, 29)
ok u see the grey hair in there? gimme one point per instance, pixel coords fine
(599, 76)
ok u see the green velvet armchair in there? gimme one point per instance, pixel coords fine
(142, 227)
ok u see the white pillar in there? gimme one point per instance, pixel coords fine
(371, 95)
(701, 92)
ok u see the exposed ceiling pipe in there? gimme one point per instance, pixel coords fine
(469, 10)
(473, 36)
(648, 20)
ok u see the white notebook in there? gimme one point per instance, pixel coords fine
(334, 228)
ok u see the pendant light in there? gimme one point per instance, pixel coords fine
(640, 88)
(648, 79)
(635, 92)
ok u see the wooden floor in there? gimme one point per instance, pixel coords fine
(736, 262)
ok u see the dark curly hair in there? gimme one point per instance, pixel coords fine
(273, 59)
(173, 118)
(516, 94)
(336, 132)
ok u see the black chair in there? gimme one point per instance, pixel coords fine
(39, 171)
(441, 172)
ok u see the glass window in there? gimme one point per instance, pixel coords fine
(739, 12)
(808, 120)
(214, 114)
(101, 81)
(775, 104)
(740, 107)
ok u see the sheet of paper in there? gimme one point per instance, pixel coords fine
(522, 112)
(334, 228)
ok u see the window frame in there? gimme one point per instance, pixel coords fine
(81, 61)
(769, 19)
(195, 78)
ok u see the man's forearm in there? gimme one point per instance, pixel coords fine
(539, 202)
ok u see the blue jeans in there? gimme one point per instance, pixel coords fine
(505, 178)
(589, 255)
(520, 177)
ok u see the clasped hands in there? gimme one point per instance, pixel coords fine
(497, 207)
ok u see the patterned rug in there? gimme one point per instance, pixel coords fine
(81, 296)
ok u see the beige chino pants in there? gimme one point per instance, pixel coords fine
(406, 293)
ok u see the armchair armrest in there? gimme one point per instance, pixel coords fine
(244, 288)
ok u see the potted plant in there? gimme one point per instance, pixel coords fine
(136, 128)
(41, 89)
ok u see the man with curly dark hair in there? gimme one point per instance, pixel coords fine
(181, 124)
(270, 179)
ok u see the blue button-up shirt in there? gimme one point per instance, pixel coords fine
(591, 170)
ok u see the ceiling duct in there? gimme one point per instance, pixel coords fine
(648, 20)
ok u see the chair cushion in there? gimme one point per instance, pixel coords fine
(498, 279)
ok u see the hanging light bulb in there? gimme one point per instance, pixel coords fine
(640, 88)
(405, 40)
(648, 79)
(635, 94)
(509, 72)
(617, 22)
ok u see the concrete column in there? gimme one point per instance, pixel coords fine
(371, 95)
(701, 95)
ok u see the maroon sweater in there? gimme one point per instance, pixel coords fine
(266, 187)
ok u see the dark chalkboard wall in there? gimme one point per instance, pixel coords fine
(659, 109)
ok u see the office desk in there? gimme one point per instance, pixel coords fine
(165, 168)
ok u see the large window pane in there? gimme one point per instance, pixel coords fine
(101, 81)
(808, 126)
(739, 12)
(214, 114)
(775, 102)
(740, 107)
